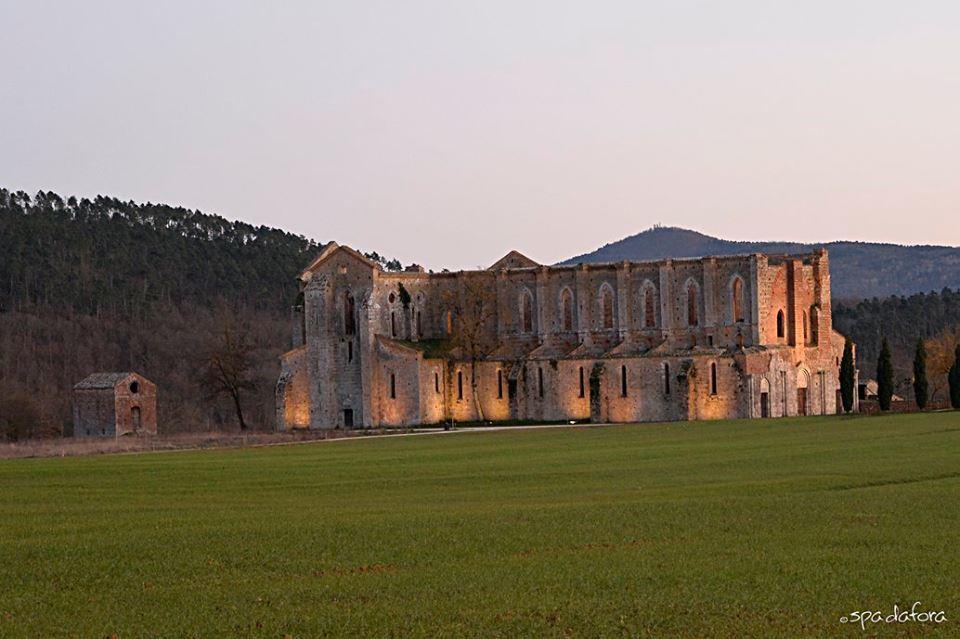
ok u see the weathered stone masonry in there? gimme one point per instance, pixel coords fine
(718, 337)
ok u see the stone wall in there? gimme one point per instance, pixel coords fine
(711, 330)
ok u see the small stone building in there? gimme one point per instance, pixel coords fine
(114, 404)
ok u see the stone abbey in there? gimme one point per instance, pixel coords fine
(680, 339)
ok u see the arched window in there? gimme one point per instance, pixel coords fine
(693, 315)
(649, 308)
(349, 315)
(566, 309)
(526, 312)
(814, 325)
(780, 327)
(606, 306)
(736, 293)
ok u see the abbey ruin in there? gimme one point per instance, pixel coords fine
(710, 338)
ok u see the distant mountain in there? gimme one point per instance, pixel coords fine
(858, 269)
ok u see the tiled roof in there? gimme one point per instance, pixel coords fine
(101, 381)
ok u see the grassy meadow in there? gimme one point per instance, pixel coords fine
(771, 528)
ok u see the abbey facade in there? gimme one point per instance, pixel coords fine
(710, 338)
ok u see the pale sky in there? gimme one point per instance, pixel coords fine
(448, 132)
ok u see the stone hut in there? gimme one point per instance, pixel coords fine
(114, 404)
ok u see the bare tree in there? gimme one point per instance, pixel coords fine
(19, 417)
(940, 354)
(472, 324)
(227, 368)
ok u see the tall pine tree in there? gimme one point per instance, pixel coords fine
(884, 376)
(920, 387)
(953, 377)
(847, 376)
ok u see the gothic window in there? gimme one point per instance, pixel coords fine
(566, 309)
(781, 331)
(693, 316)
(349, 314)
(606, 306)
(814, 325)
(526, 312)
(736, 293)
(649, 308)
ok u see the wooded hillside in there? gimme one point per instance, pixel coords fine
(106, 285)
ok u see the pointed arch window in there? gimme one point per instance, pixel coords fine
(349, 314)
(649, 308)
(814, 325)
(606, 306)
(693, 315)
(736, 293)
(781, 329)
(566, 309)
(526, 312)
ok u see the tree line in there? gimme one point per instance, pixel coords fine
(201, 306)
(195, 302)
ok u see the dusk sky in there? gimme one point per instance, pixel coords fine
(447, 133)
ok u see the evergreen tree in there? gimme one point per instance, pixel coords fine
(884, 376)
(920, 390)
(847, 376)
(953, 377)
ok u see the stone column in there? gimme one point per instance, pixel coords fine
(583, 304)
(667, 317)
(709, 293)
(542, 304)
(623, 299)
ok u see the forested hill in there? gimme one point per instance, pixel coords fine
(109, 256)
(858, 269)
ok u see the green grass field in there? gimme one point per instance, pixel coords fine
(770, 528)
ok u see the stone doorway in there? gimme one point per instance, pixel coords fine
(801, 401)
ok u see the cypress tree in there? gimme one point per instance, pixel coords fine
(953, 377)
(847, 376)
(884, 376)
(920, 390)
